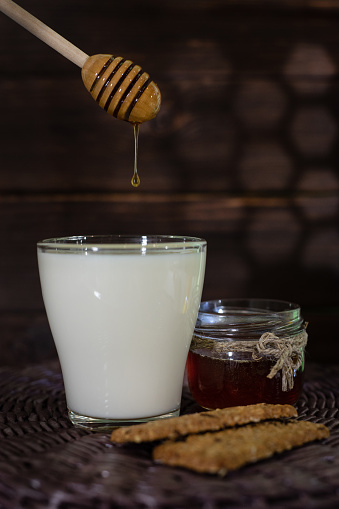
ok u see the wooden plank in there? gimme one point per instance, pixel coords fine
(256, 246)
(249, 102)
(25, 339)
(58, 147)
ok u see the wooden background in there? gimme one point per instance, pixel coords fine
(244, 151)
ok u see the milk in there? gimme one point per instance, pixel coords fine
(122, 325)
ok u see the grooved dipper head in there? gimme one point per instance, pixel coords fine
(121, 88)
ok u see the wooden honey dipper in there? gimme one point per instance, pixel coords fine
(120, 87)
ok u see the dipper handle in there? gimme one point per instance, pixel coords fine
(120, 87)
(43, 32)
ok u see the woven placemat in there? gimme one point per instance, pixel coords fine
(45, 462)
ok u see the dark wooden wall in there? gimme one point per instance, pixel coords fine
(244, 151)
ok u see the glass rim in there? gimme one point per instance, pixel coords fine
(243, 306)
(120, 243)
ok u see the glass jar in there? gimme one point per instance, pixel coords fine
(247, 351)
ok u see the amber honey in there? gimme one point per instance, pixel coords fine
(220, 383)
(135, 181)
(224, 367)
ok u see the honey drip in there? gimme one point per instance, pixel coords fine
(135, 179)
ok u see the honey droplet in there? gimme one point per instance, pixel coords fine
(135, 179)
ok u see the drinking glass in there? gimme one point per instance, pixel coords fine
(122, 310)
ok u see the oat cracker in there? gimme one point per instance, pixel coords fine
(230, 449)
(212, 420)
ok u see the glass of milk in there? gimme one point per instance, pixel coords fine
(122, 310)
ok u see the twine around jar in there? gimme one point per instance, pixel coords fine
(286, 351)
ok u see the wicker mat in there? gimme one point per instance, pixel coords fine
(45, 462)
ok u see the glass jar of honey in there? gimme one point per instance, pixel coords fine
(247, 351)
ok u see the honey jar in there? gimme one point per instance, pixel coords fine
(247, 351)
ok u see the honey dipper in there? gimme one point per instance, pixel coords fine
(120, 87)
